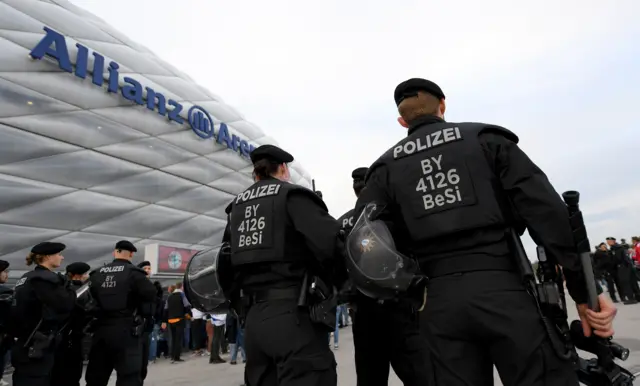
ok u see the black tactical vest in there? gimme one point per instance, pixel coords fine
(441, 179)
(27, 309)
(347, 221)
(110, 287)
(260, 227)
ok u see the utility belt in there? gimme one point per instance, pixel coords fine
(466, 263)
(313, 296)
(119, 317)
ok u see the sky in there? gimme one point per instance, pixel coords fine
(319, 78)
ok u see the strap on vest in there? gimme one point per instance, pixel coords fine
(275, 294)
(467, 263)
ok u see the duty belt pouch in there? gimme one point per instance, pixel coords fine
(40, 343)
(324, 313)
(137, 327)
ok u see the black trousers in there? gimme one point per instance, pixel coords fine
(30, 372)
(611, 278)
(624, 274)
(146, 342)
(389, 334)
(478, 319)
(216, 342)
(68, 363)
(177, 337)
(285, 348)
(114, 348)
(198, 334)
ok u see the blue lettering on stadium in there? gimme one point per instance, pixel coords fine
(54, 46)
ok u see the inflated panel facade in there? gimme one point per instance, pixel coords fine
(90, 155)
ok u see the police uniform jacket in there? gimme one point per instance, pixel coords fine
(347, 221)
(278, 231)
(120, 290)
(452, 190)
(41, 294)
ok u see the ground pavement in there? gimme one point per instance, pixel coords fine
(198, 372)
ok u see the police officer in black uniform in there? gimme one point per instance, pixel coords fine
(623, 267)
(451, 192)
(6, 298)
(68, 364)
(279, 231)
(386, 332)
(43, 302)
(123, 295)
(148, 325)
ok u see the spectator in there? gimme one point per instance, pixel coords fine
(235, 336)
(177, 310)
(218, 322)
(198, 332)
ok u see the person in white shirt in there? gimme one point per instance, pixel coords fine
(218, 321)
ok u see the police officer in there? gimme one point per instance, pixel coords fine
(43, 301)
(148, 325)
(6, 298)
(279, 231)
(624, 271)
(385, 332)
(123, 293)
(68, 364)
(451, 193)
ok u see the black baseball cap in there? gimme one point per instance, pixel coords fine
(409, 88)
(272, 153)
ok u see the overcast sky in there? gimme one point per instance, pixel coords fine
(319, 77)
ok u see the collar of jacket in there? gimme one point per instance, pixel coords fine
(423, 121)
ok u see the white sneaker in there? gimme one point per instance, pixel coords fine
(335, 347)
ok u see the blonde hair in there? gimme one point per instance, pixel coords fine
(424, 104)
(34, 258)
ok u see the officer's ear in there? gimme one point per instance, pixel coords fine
(403, 123)
(442, 107)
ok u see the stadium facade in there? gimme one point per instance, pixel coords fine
(101, 140)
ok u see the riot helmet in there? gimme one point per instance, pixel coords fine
(375, 267)
(202, 285)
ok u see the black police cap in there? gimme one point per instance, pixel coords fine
(359, 173)
(78, 268)
(125, 245)
(611, 238)
(409, 88)
(48, 248)
(272, 153)
(144, 264)
(3, 265)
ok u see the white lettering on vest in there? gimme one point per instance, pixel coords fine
(438, 187)
(431, 140)
(347, 222)
(258, 192)
(117, 268)
(252, 227)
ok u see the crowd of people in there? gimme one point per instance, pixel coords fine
(183, 328)
(617, 267)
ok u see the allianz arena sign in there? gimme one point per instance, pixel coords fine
(54, 46)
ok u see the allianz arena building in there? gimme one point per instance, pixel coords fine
(101, 140)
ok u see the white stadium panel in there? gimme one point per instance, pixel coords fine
(101, 140)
